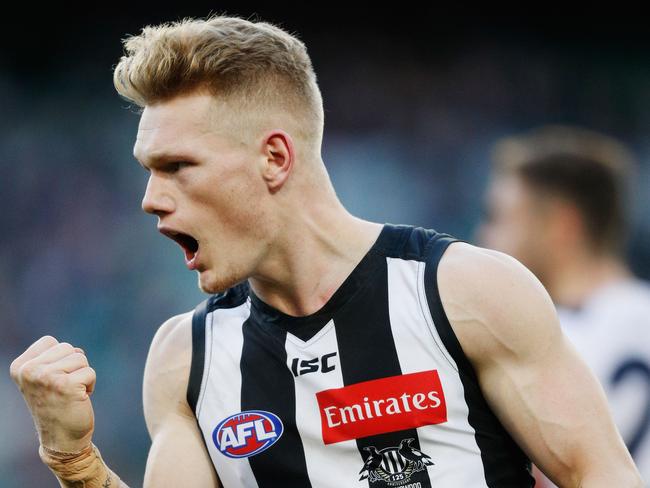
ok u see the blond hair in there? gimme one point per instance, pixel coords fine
(256, 68)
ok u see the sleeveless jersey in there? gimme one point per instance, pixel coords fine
(372, 390)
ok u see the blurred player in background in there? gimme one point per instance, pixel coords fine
(332, 352)
(557, 202)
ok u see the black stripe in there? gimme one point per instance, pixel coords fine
(267, 384)
(504, 462)
(197, 364)
(198, 354)
(367, 352)
(395, 462)
(231, 298)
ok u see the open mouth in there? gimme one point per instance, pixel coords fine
(187, 242)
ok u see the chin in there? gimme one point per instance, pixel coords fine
(211, 284)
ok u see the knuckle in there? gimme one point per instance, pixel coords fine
(48, 339)
(37, 375)
(41, 377)
(81, 357)
(28, 372)
(59, 384)
(14, 369)
(93, 373)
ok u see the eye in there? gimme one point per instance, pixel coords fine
(175, 166)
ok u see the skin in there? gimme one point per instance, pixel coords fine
(524, 223)
(533, 379)
(263, 210)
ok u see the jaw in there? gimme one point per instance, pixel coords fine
(210, 282)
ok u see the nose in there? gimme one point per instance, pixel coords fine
(157, 199)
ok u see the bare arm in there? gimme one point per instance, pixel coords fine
(178, 456)
(56, 382)
(529, 373)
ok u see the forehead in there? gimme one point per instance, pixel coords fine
(174, 126)
(509, 191)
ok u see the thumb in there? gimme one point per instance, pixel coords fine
(85, 376)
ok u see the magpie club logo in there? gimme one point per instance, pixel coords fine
(247, 433)
(394, 465)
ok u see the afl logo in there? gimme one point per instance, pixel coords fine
(247, 433)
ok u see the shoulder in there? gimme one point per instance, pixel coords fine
(167, 370)
(173, 332)
(481, 268)
(495, 305)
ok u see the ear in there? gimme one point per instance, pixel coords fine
(569, 225)
(279, 157)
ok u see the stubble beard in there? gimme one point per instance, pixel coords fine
(213, 281)
(227, 273)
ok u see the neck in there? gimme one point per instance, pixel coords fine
(317, 249)
(574, 279)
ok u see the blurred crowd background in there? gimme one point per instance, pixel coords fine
(413, 103)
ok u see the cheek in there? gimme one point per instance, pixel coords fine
(529, 243)
(508, 234)
(237, 209)
(499, 234)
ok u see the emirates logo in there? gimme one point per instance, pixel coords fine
(383, 405)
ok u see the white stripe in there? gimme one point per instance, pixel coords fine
(395, 464)
(400, 461)
(337, 464)
(451, 445)
(222, 378)
(385, 462)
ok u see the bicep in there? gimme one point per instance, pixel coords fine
(178, 457)
(556, 410)
(530, 375)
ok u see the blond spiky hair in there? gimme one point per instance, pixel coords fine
(256, 67)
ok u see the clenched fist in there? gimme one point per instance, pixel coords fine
(56, 382)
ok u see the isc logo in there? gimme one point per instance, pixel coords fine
(304, 366)
(247, 433)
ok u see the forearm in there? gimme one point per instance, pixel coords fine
(85, 469)
(111, 480)
(620, 477)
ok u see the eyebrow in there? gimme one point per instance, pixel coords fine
(162, 157)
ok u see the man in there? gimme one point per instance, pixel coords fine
(334, 351)
(557, 203)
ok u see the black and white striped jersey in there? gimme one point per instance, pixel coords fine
(372, 390)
